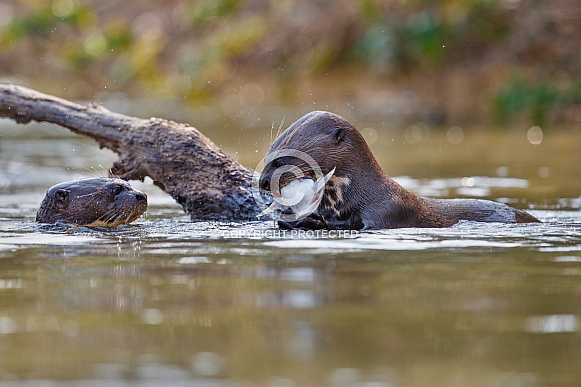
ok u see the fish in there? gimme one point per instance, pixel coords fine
(302, 196)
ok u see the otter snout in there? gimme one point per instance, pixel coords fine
(281, 171)
(140, 196)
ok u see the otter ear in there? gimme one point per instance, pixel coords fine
(339, 135)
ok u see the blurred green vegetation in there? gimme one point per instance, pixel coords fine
(202, 50)
(537, 100)
(422, 32)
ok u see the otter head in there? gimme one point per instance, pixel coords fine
(101, 201)
(311, 147)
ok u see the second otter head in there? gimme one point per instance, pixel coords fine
(106, 202)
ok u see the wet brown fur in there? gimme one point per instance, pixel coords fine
(360, 195)
(106, 202)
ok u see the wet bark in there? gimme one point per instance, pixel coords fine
(207, 183)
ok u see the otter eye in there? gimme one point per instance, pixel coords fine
(62, 194)
(117, 189)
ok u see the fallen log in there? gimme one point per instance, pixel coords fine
(204, 181)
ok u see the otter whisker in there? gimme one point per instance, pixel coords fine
(92, 200)
(89, 194)
(121, 215)
(130, 216)
(107, 216)
(114, 214)
(96, 172)
(271, 129)
(280, 127)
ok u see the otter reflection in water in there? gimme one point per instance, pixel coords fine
(360, 195)
(102, 201)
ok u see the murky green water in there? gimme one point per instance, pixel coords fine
(169, 302)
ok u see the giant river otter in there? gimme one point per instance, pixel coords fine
(92, 202)
(359, 195)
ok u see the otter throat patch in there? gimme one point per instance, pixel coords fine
(334, 193)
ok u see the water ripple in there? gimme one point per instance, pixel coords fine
(561, 232)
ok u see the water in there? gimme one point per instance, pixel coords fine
(166, 301)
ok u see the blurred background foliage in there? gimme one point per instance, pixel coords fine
(460, 60)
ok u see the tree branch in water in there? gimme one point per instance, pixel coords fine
(207, 183)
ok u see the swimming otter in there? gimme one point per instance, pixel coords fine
(94, 202)
(360, 195)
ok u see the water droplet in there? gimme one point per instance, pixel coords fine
(502, 171)
(370, 135)
(468, 182)
(544, 171)
(535, 135)
(152, 316)
(7, 325)
(207, 363)
(455, 135)
(553, 323)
